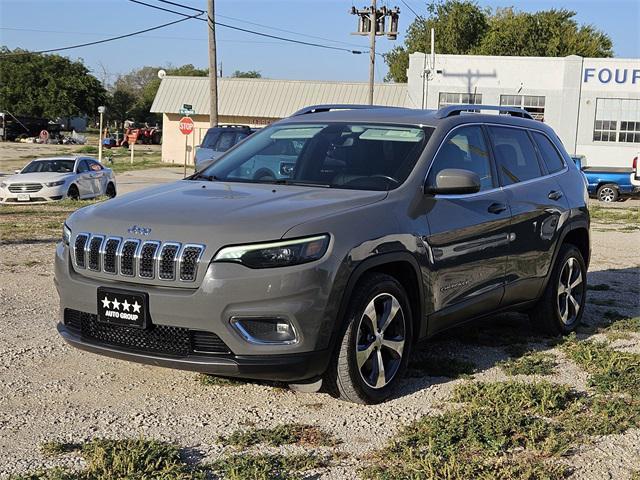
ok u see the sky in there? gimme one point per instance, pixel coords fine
(44, 24)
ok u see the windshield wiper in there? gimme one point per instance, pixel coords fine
(199, 176)
(287, 181)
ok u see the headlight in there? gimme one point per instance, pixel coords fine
(66, 234)
(276, 254)
(55, 184)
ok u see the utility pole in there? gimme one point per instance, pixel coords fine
(371, 22)
(372, 48)
(213, 66)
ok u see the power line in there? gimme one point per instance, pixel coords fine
(105, 40)
(412, 10)
(253, 32)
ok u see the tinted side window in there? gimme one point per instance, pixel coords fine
(83, 166)
(550, 155)
(464, 148)
(515, 155)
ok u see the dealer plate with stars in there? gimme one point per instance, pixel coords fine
(122, 307)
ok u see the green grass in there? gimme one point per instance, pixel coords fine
(600, 287)
(612, 371)
(131, 459)
(533, 363)
(24, 223)
(267, 466)
(625, 325)
(286, 434)
(440, 367)
(54, 447)
(88, 149)
(615, 215)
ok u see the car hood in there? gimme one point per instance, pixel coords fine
(36, 177)
(216, 214)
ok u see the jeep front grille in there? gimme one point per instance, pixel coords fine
(170, 261)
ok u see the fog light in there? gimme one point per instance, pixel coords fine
(265, 330)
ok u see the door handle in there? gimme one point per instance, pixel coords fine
(497, 208)
(555, 195)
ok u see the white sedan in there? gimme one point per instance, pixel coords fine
(48, 179)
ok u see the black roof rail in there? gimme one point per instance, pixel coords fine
(335, 106)
(451, 110)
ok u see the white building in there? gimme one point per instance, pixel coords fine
(592, 103)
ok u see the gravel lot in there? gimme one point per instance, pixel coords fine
(49, 391)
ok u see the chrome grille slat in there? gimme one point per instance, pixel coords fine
(92, 252)
(78, 250)
(188, 262)
(110, 254)
(167, 260)
(127, 256)
(147, 259)
(135, 258)
(25, 187)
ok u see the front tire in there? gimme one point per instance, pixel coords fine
(73, 193)
(608, 193)
(559, 311)
(375, 343)
(110, 192)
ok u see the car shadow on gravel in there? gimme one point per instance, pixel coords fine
(482, 344)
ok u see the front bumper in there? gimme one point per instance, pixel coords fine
(297, 294)
(283, 368)
(45, 194)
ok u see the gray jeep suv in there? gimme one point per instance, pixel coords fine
(384, 227)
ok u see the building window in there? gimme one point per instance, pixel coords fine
(534, 104)
(617, 120)
(445, 99)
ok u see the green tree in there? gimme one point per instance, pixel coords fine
(459, 24)
(48, 86)
(462, 27)
(248, 74)
(120, 105)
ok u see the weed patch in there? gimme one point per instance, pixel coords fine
(212, 380)
(614, 215)
(532, 363)
(287, 434)
(267, 466)
(53, 447)
(612, 371)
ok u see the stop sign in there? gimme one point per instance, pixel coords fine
(185, 125)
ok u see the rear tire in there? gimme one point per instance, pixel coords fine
(559, 310)
(374, 345)
(608, 193)
(73, 193)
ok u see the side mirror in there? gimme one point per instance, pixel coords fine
(454, 181)
(17, 171)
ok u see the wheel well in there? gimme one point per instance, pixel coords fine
(404, 273)
(580, 238)
(73, 185)
(613, 184)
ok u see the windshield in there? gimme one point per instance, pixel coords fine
(56, 166)
(339, 155)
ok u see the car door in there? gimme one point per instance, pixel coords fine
(98, 177)
(468, 234)
(83, 179)
(537, 208)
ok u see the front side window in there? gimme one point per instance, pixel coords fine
(95, 166)
(338, 155)
(55, 166)
(515, 155)
(83, 166)
(550, 155)
(466, 149)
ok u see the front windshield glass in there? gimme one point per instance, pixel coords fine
(55, 166)
(339, 155)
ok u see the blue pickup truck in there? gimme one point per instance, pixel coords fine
(611, 184)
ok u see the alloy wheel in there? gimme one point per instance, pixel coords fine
(380, 340)
(570, 291)
(607, 194)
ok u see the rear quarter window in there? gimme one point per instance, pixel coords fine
(515, 154)
(548, 152)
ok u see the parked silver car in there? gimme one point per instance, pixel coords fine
(49, 179)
